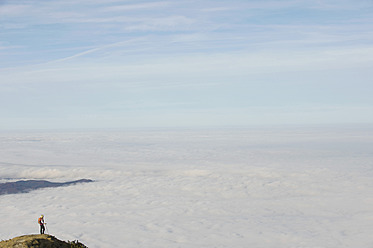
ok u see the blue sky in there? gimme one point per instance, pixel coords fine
(185, 63)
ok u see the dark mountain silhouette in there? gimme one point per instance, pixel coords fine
(25, 186)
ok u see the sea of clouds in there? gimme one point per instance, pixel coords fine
(263, 188)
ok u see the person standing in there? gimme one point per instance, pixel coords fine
(41, 223)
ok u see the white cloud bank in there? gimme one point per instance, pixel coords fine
(300, 187)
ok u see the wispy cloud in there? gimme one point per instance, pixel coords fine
(11, 10)
(126, 7)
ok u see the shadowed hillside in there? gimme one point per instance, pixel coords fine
(39, 241)
(28, 185)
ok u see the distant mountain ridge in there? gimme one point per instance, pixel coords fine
(24, 186)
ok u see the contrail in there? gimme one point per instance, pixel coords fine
(93, 50)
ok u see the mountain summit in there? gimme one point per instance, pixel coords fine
(39, 241)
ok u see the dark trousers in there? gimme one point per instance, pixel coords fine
(42, 229)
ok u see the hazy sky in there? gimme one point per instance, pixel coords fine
(112, 63)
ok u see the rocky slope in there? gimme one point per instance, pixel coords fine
(38, 241)
(25, 186)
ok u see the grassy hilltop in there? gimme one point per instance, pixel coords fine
(39, 241)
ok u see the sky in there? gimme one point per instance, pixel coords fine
(185, 63)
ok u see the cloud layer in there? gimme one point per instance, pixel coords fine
(207, 188)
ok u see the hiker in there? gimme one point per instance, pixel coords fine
(41, 223)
